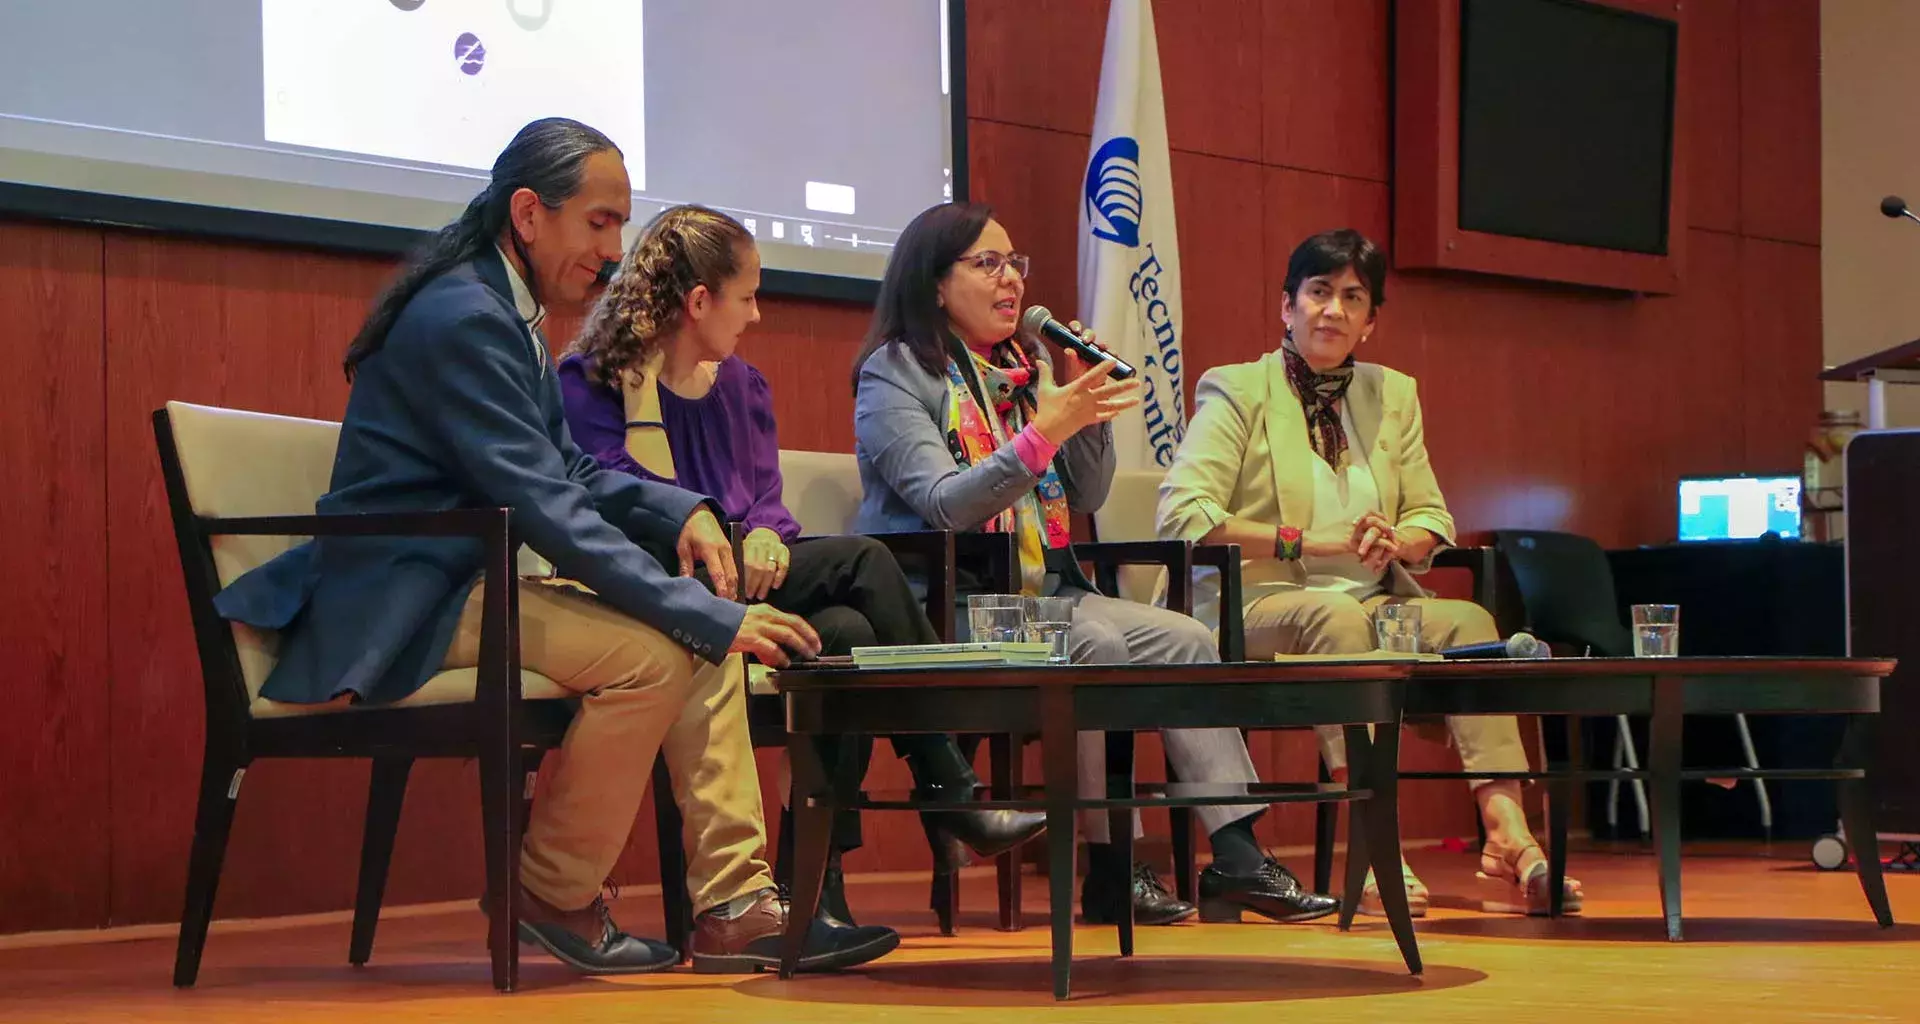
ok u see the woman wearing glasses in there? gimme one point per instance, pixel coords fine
(652, 387)
(959, 426)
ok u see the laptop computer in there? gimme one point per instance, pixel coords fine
(1739, 507)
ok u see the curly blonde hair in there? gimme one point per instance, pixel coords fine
(682, 248)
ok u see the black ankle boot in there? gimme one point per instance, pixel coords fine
(989, 833)
(941, 772)
(833, 895)
(833, 883)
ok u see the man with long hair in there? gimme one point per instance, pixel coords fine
(455, 403)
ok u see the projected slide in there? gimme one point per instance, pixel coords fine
(450, 81)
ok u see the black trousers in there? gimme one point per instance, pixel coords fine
(855, 595)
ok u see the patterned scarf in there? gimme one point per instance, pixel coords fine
(1040, 516)
(1320, 394)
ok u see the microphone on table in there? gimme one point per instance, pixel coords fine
(1896, 207)
(1519, 646)
(1038, 322)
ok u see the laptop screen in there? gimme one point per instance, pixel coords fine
(1739, 507)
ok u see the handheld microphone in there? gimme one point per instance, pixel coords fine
(607, 269)
(1896, 207)
(1038, 322)
(1519, 646)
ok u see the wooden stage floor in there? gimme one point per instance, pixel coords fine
(1770, 939)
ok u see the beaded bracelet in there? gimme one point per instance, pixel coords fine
(1286, 543)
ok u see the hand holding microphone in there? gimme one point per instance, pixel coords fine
(1038, 322)
(1093, 395)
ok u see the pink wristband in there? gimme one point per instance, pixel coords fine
(1034, 449)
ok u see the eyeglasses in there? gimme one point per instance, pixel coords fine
(995, 264)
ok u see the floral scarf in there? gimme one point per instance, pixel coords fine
(1040, 517)
(1320, 395)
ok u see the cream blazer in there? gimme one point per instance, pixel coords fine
(1247, 454)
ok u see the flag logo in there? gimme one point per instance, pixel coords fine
(1114, 196)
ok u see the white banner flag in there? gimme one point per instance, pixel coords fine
(1129, 261)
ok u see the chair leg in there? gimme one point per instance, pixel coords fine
(1759, 784)
(1639, 787)
(1326, 821)
(499, 822)
(1180, 824)
(676, 903)
(386, 792)
(220, 776)
(1005, 768)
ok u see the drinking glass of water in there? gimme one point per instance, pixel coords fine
(996, 618)
(1049, 620)
(1398, 628)
(1656, 630)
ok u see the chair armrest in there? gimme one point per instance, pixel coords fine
(1176, 556)
(459, 522)
(1233, 627)
(1484, 564)
(933, 551)
(498, 683)
(995, 556)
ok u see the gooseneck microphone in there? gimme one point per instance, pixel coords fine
(1519, 646)
(1038, 322)
(1896, 207)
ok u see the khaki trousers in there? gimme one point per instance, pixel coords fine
(641, 695)
(1324, 622)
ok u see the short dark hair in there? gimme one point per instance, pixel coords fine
(1330, 252)
(908, 308)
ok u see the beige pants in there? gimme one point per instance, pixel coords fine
(1323, 622)
(641, 694)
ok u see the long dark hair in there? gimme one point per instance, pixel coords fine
(908, 309)
(548, 156)
(681, 249)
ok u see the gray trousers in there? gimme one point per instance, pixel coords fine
(1110, 631)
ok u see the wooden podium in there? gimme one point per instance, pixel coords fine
(1883, 580)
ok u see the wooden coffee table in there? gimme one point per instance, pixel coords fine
(1057, 702)
(1667, 690)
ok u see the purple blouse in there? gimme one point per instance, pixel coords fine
(724, 445)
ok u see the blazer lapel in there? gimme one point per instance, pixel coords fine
(1288, 446)
(1366, 403)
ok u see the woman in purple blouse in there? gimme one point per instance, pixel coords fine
(652, 387)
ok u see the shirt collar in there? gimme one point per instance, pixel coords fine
(523, 302)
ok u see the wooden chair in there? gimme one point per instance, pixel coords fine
(241, 488)
(1204, 580)
(822, 491)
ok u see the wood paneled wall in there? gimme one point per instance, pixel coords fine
(1545, 407)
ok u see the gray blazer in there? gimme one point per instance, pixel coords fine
(908, 473)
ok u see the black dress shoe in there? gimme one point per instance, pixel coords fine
(989, 833)
(1271, 892)
(751, 942)
(587, 939)
(1101, 902)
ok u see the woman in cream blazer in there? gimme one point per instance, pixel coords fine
(1316, 466)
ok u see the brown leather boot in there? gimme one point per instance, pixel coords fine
(751, 942)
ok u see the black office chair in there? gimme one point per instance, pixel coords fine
(1566, 588)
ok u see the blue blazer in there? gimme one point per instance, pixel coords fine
(461, 408)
